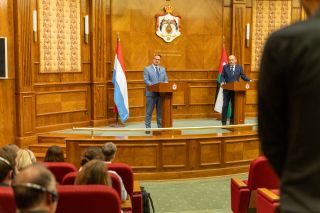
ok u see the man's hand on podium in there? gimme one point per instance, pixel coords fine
(222, 84)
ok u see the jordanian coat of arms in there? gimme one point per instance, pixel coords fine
(168, 25)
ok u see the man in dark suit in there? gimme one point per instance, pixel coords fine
(231, 72)
(288, 110)
(154, 74)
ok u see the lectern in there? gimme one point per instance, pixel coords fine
(166, 90)
(239, 89)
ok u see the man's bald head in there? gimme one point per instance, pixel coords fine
(232, 60)
(35, 189)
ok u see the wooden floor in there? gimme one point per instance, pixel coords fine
(167, 156)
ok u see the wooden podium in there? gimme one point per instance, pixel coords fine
(240, 89)
(166, 90)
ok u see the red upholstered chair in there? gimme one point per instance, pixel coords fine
(88, 198)
(243, 192)
(116, 183)
(69, 178)
(7, 202)
(268, 200)
(126, 174)
(60, 169)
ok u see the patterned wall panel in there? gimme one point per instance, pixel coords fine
(268, 16)
(59, 27)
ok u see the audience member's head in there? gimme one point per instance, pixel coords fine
(25, 158)
(12, 146)
(91, 153)
(35, 190)
(54, 154)
(109, 150)
(93, 172)
(7, 166)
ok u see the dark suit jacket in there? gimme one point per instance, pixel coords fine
(228, 76)
(289, 112)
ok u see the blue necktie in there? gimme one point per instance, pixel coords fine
(158, 73)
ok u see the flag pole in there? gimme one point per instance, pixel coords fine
(117, 123)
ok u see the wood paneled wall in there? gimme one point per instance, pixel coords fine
(35, 102)
(192, 58)
(51, 101)
(7, 86)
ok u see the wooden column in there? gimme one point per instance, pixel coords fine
(25, 96)
(238, 29)
(99, 16)
(7, 86)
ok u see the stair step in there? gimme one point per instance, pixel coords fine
(43, 147)
(40, 149)
(50, 139)
(58, 139)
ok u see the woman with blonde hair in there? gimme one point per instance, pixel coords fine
(25, 158)
(94, 172)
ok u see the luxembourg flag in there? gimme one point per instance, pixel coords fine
(119, 81)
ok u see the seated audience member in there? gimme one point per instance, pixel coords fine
(15, 149)
(54, 154)
(91, 153)
(93, 172)
(12, 146)
(25, 158)
(7, 166)
(109, 150)
(35, 190)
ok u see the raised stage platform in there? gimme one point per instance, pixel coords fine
(194, 153)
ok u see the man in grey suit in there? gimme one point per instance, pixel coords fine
(154, 74)
(288, 110)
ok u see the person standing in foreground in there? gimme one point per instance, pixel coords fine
(154, 74)
(288, 110)
(231, 73)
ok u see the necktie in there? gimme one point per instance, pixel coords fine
(232, 69)
(158, 72)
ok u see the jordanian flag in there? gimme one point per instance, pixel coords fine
(219, 94)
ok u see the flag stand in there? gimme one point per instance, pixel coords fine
(117, 124)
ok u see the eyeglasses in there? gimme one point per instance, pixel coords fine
(54, 194)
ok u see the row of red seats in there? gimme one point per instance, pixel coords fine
(73, 198)
(65, 174)
(253, 193)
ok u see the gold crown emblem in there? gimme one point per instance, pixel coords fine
(168, 9)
